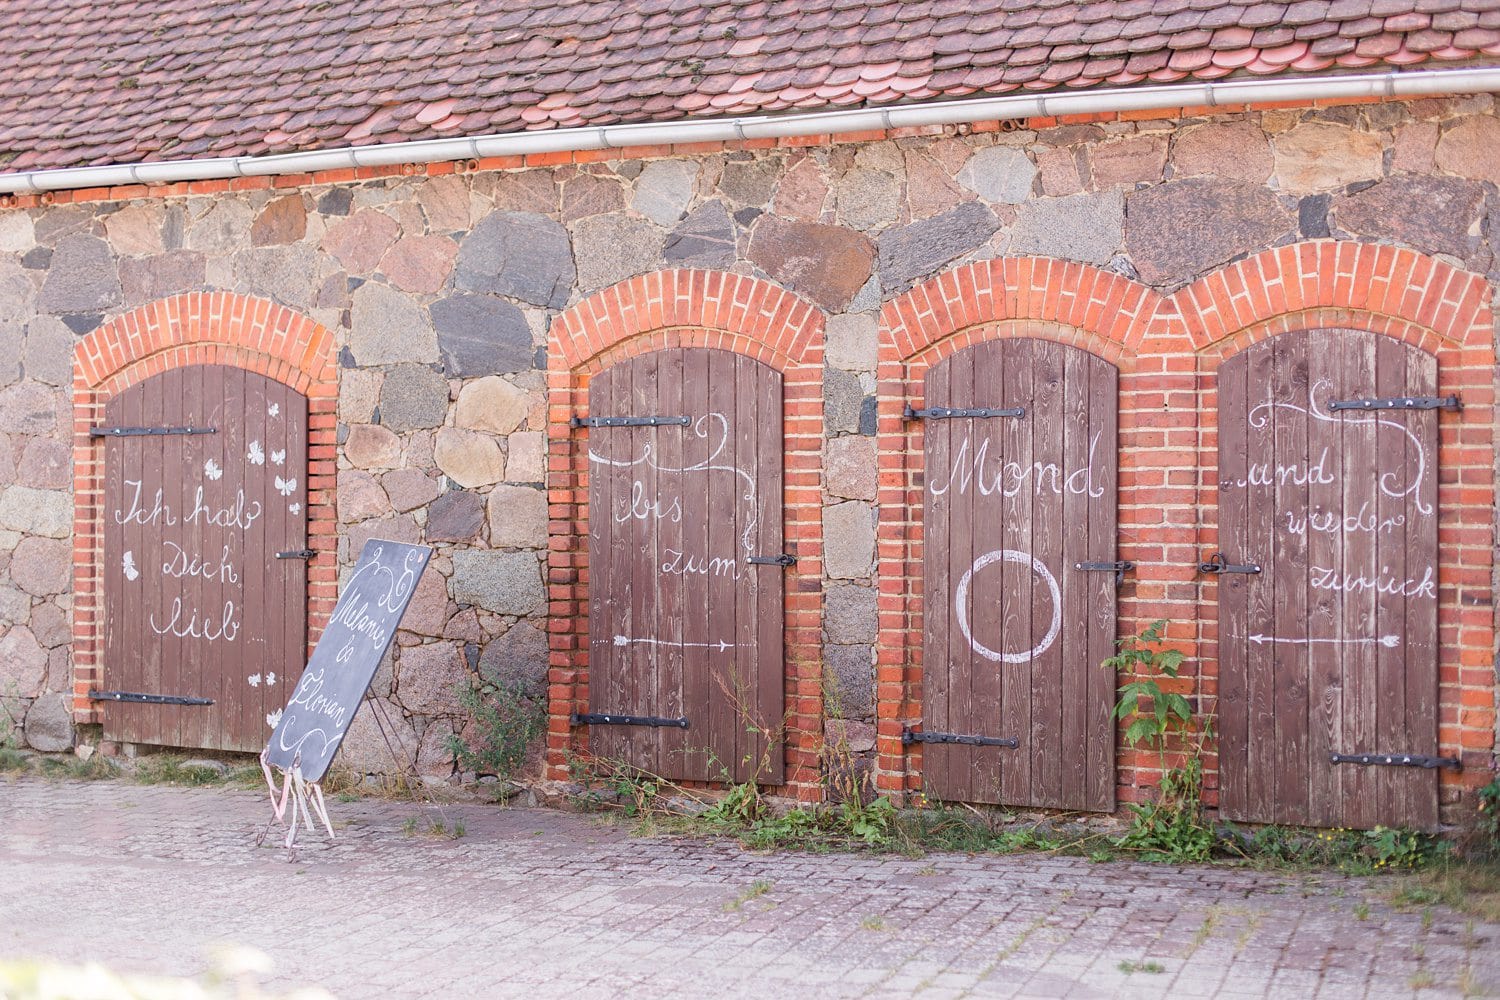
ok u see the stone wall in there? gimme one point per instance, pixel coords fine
(441, 286)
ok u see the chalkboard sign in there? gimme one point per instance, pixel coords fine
(345, 659)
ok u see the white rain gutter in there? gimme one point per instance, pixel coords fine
(1393, 84)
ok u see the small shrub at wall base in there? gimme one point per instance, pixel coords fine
(504, 723)
(1488, 824)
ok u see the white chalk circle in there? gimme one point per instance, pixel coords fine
(961, 602)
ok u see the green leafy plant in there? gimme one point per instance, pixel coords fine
(1171, 826)
(505, 722)
(1489, 814)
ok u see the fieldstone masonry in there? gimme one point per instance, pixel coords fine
(440, 291)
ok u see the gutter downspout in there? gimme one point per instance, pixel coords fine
(1387, 85)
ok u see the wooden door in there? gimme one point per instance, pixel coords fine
(1331, 647)
(1016, 623)
(685, 609)
(197, 603)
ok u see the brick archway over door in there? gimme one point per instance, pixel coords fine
(675, 309)
(208, 328)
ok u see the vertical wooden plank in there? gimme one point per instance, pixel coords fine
(1022, 776)
(1321, 526)
(727, 522)
(980, 691)
(1233, 595)
(290, 435)
(1102, 505)
(1261, 587)
(966, 545)
(758, 431)
(1393, 471)
(1045, 666)
(697, 680)
(604, 621)
(1420, 638)
(1078, 606)
(669, 591)
(1288, 554)
(1360, 785)
(939, 500)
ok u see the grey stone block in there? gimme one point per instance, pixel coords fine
(850, 613)
(509, 583)
(518, 254)
(413, 397)
(481, 335)
(849, 681)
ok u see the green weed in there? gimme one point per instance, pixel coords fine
(505, 722)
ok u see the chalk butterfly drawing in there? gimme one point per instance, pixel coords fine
(131, 573)
(273, 717)
(286, 486)
(294, 509)
(271, 679)
(212, 471)
(256, 456)
(277, 457)
(273, 409)
(253, 680)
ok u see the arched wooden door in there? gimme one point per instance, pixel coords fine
(1019, 576)
(1328, 654)
(685, 586)
(204, 573)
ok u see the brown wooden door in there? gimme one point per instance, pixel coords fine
(1014, 631)
(681, 624)
(196, 602)
(1331, 647)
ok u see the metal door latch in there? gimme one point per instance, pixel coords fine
(1398, 403)
(147, 699)
(296, 554)
(1395, 760)
(114, 432)
(1118, 568)
(948, 412)
(910, 736)
(781, 560)
(604, 719)
(1218, 565)
(629, 421)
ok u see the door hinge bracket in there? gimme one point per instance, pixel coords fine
(1395, 760)
(949, 413)
(113, 432)
(1218, 565)
(605, 719)
(910, 736)
(147, 699)
(1398, 403)
(781, 560)
(296, 554)
(1118, 568)
(630, 421)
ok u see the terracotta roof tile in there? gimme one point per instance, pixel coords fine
(127, 82)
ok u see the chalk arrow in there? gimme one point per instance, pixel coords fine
(721, 645)
(1388, 641)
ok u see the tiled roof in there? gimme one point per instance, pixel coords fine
(121, 81)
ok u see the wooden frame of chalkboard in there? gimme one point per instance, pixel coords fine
(360, 630)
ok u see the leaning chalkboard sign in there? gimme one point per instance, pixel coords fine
(346, 657)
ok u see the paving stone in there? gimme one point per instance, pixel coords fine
(589, 194)
(360, 497)
(706, 238)
(1224, 150)
(1468, 147)
(848, 540)
(518, 517)
(827, 264)
(849, 679)
(526, 457)
(419, 264)
(456, 516)
(1438, 214)
(1316, 157)
(360, 240)
(803, 192)
(48, 355)
(82, 277)
(17, 233)
(915, 252)
(145, 279)
(508, 583)
(868, 199)
(23, 663)
(49, 723)
(521, 255)
(1000, 174)
(1084, 227)
(611, 248)
(282, 221)
(849, 467)
(133, 230)
(482, 335)
(663, 190)
(445, 203)
(387, 327)
(518, 659)
(409, 489)
(1178, 230)
(849, 613)
(413, 397)
(468, 458)
(492, 404)
(36, 512)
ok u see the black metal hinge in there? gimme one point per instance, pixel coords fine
(1395, 760)
(119, 432)
(603, 719)
(781, 560)
(1218, 565)
(1117, 568)
(910, 736)
(147, 699)
(296, 554)
(948, 413)
(629, 421)
(1398, 403)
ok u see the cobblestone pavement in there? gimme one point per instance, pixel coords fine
(542, 903)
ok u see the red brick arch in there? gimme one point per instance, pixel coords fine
(687, 308)
(196, 328)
